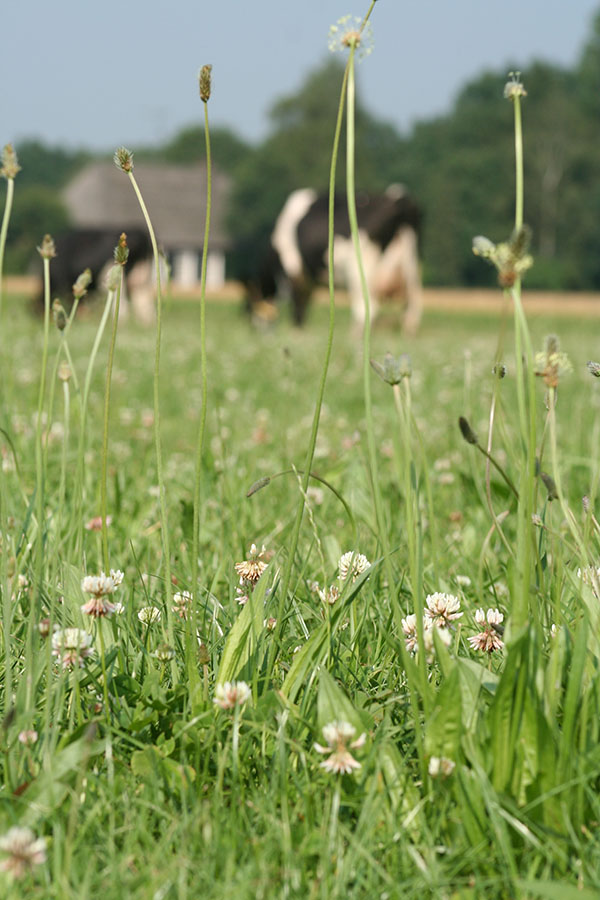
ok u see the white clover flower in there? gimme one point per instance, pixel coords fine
(72, 646)
(252, 568)
(409, 627)
(23, 851)
(182, 603)
(463, 581)
(353, 564)
(488, 640)
(164, 653)
(230, 694)
(329, 595)
(338, 736)
(148, 615)
(441, 766)
(27, 737)
(442, 609)
(100, 587)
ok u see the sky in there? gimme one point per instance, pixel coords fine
(81, 73)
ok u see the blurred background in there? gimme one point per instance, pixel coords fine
(79, 80)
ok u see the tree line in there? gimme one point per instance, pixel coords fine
(460, 166)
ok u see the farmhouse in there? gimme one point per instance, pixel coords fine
(100, 196)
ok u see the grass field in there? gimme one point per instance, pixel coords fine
(478, 771)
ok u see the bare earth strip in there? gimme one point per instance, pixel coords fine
(442, 299)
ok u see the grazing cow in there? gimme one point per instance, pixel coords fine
(93, 248)
(388, 224)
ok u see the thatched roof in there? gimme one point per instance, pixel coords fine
(101, 196)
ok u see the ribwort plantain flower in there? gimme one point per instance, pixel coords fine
(10, 164)
(510, 258)
(594, 368)
(551, 362)
(514, 87)
(205, 83)
(47, 249)
(59, 315)
(123, 159)
(231, 694)
(82, 283)
(393, 369)
(23, 851)
(338, 736)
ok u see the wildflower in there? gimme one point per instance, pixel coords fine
(510, 257)
(23, 851)
(441, 765)
(428, 639)
(348, 32)
(231, 694)
(44, 627)
(270, 623)
(27, 737)
(164, 652)
(59, 314)
(205, 83)
(466, 431)
(64, 371)
(72, 646)
(551, 362)
(329, 595)
(148, 615)
(95, 523)
(488, 640)
(514, 87)
(594, 368)
(338, 735)
(47, 250)
(393, 369)
(352, 563)
(123, 159)
(182, 603)
(590, 575)
(10, 165)
(442, 609)
(100, 587)
(251, 569)
(463, 581)
(82, 283)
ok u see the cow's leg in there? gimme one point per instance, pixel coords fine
(141, 292)
(300, 296)
(412, 281)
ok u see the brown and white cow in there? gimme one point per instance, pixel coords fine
(389, 226)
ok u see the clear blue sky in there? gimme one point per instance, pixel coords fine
(101, 74)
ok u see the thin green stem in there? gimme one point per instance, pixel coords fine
(10, 190)
(104, 475)
(157, 437)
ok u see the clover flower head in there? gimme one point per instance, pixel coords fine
(441, 766)
(230, 694)
(148, 615)
(23, 851)
(442, 609)
(488, 640)
(352, 564)
(329, 595)
(100, 587)
(71, 646)
(514, 87)
(182, 603)
(164, 653)
(338, 736)
(252, 568)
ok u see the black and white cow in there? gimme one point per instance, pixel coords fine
(93, 248)
(389, 226)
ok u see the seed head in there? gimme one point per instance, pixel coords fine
(47, 250)
(466, 431)
(121, 250)
(205, 83)
(514, 87)
(59, 314)
(82, 284)
(123, 159)
(348, 32)
(10, 165)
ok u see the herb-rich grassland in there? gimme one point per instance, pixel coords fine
(479, 770)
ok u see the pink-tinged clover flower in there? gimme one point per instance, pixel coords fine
(100, 587)
(488, 640)
(338, 736)
(231, 694)
(71, 646)
(442, 609)
(22, 851)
